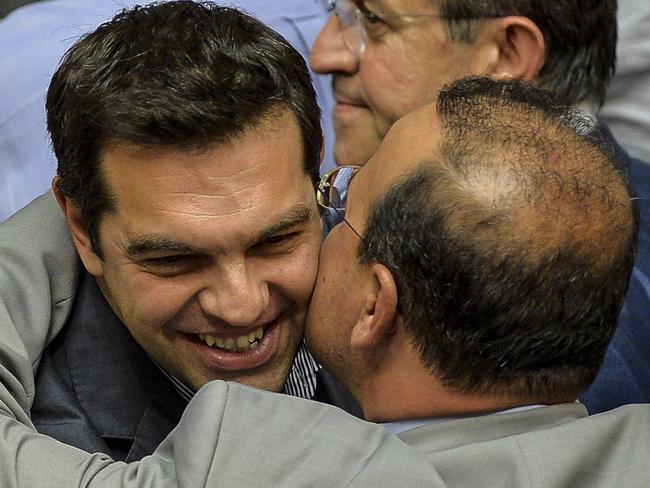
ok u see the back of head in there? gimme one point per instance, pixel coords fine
(580, 37)
(180, 75)
(513, 248)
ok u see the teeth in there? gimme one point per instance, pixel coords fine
(241, 343)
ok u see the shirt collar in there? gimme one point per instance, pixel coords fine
(403, 425)
(301, 381)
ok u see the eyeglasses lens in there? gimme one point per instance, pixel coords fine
(351, 30)
(337, 187)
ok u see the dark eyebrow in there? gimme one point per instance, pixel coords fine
(155, 243)
(149, 243)
(296, 216)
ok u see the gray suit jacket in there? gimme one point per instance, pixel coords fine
(554, 446)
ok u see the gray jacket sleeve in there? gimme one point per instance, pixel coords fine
(230, 436)
(38, 275)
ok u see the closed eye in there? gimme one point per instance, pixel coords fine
(278, 243)
(281, 238)
(172, 265)
(374, 25)
(368, 15)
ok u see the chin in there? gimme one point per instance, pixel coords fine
(344, 155)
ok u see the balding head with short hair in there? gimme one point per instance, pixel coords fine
(512, 247)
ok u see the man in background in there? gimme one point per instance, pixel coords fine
(627, 106)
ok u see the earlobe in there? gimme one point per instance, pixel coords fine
(522, 49)
(377, 320)
(78, 229)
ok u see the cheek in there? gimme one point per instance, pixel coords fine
(295, 276)
(331, 272)
(390, 93)
(327, 312)
(154, 301)
(401, 78)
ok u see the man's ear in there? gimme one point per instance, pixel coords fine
(522, 49)
(78, 229)
(378, 319)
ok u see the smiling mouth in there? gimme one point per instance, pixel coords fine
(234, 344)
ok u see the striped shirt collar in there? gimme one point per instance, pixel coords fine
(301, 381)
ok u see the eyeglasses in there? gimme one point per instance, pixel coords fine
(355, 19)
(332, 191)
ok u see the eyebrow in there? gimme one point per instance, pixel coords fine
(149, 243)
(296, 216)
(155, 243)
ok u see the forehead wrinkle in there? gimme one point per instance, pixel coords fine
(241, 199)
(232, 201)
(206, 174)
(194, 213)
(201, 195)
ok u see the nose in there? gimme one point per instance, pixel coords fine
(235, 296)
(329, 53)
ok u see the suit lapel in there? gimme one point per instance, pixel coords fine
(128, 400)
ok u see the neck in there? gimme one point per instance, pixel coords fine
(404, 389)
(402, 398)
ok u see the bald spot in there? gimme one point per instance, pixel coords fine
(516, 179)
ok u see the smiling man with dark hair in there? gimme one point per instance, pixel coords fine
(156, 148)
(188, 143)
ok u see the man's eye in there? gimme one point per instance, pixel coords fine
(373, 24)
(280, 239)
(171, 265)
(278, 242)
(368, 16)
(165, 260)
